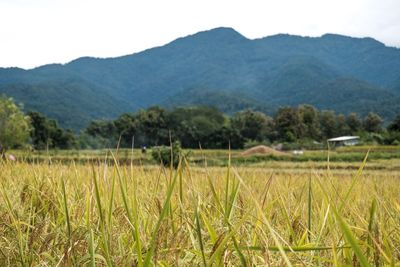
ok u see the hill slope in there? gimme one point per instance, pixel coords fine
(225, 68)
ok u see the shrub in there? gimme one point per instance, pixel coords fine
(168, 156)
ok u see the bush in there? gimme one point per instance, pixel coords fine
(163, 154)
(391, 138)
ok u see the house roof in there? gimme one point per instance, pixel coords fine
(343, 138)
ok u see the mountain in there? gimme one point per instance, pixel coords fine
(218, 67)
(228, 102)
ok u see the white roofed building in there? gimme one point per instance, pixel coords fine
(344, 141)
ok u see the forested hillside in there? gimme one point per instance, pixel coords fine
(221, 68)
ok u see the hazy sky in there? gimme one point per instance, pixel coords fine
(37, 32)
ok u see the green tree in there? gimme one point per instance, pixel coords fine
(373, 123)
(103, 133)
(102, 128)
(252, 125)
(328, 124)
(354, 122)
(151, 127)
(40, 133)
(14, 125)
(310, 119)
(226, 137)
(342, 128)
(145, 128)
(126, 126)
(47, 134)
(64, 139)
(195, 126)
(289, 124)
(394, 126)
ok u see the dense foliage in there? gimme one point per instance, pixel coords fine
(195, 127)
(168, 156)
(47, 134)
(14, 125)
(218, 68)
(207, 127)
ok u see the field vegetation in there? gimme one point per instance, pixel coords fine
(350, 156)
(271, 213)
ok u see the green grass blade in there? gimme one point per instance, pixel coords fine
(65, 206)
(164, 213)
(293, 249)
(351, 239)
(371, 224)
(198, 230)
(110, 205)
(91, 249)
(347, 232)
(16, 225)
(67, 218)
(225, 239)
(97, 196)
(309, 208)
(355, 179)
(132, 221)
(228, 174)
(238, 250)
(266, 221)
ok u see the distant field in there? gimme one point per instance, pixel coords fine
(351, 156)
(71, 208)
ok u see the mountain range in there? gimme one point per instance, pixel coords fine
(218, 67)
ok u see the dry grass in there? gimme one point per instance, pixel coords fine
(262, 150)
(67, 214)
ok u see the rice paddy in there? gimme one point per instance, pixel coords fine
(101, 213)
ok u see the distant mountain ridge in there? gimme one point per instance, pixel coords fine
(218, 67)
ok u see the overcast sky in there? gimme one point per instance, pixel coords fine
(37, 32)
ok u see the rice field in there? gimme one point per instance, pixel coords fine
(101, 213)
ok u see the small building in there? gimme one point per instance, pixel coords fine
(344, 141)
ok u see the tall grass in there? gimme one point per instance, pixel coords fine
(111, 215)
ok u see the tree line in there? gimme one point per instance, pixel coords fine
(206, 127)
(193, 127)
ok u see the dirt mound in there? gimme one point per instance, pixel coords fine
(262, 150)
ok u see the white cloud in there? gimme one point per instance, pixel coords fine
(36, 32)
